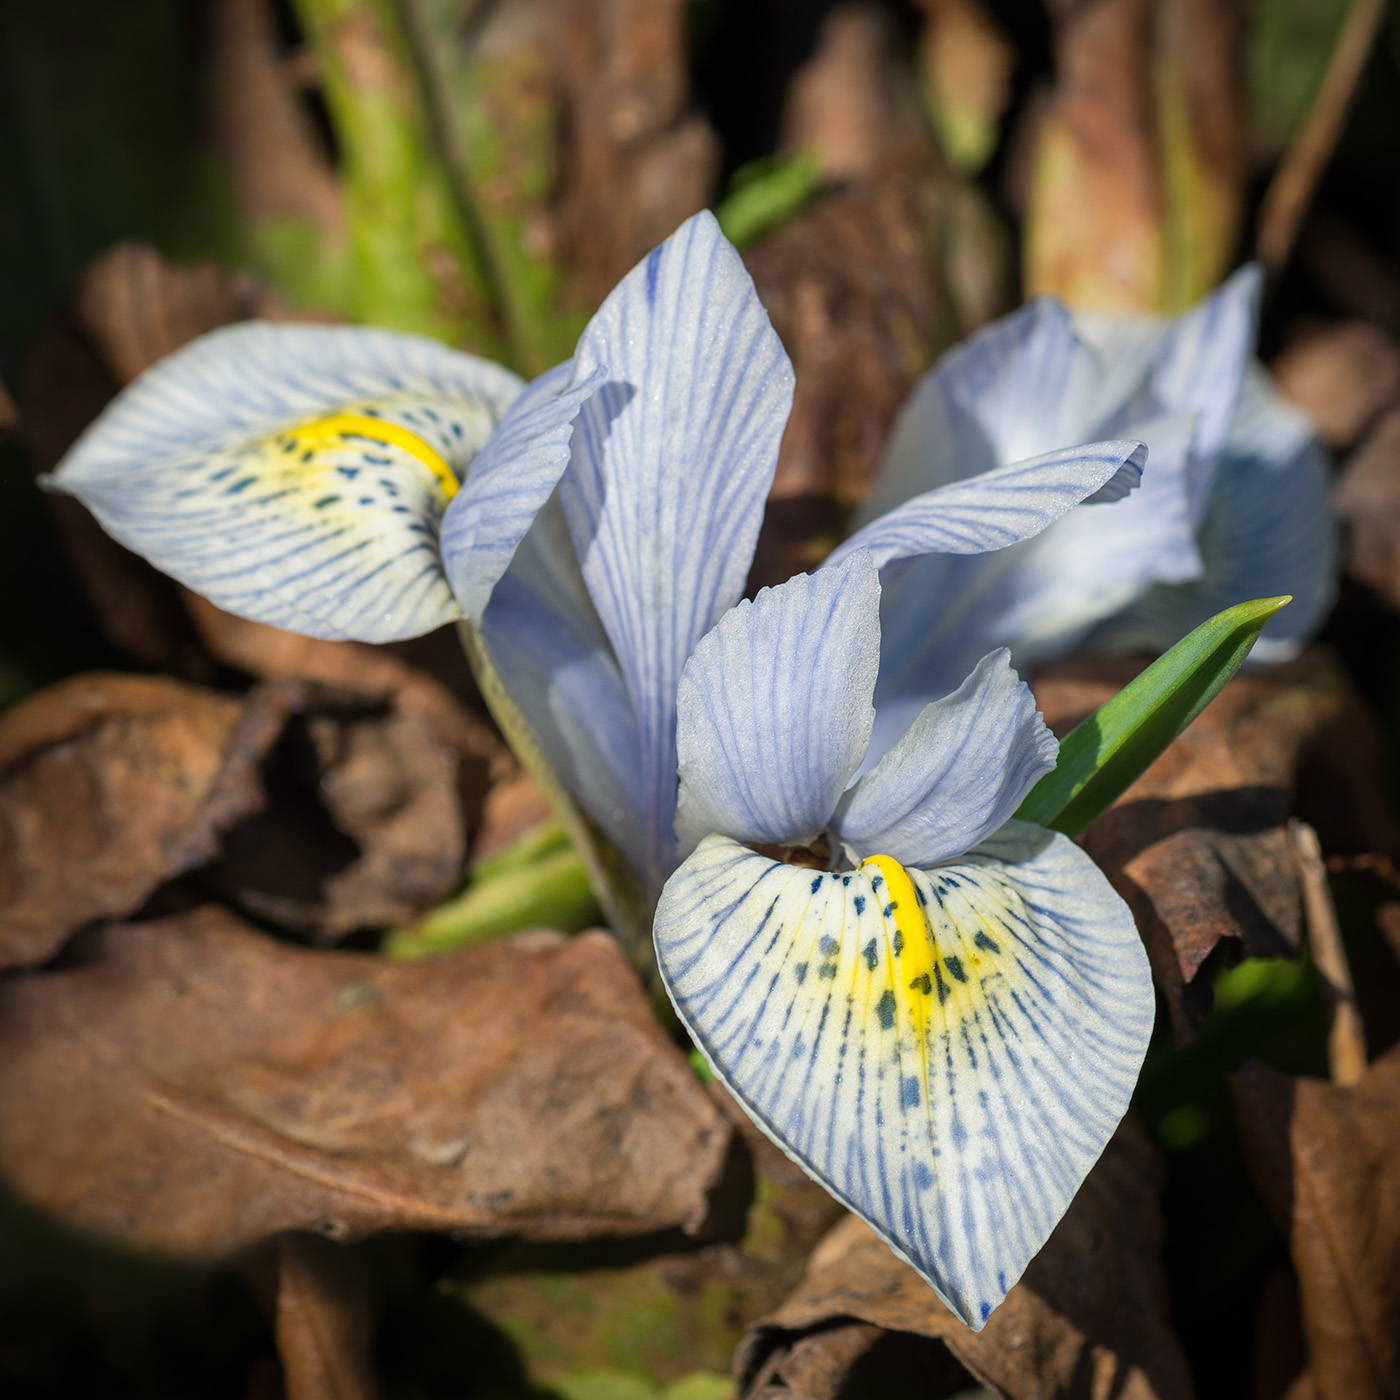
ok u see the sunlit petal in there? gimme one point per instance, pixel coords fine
(956, 774)
(948, 1051)
(295, 475)
(774, 711)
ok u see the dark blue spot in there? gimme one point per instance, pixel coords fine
(845, 879)
(860, 904)
(349, 473)
(799, 1048)
(816, 884)
(898, 942)
(456, 430)
(944, 990)
(376, 461)
(653, 273)
(800, 972)
(983, 941)
(307, 455)
(1001, 1279)
(877, 882)
(922, 983)
(884, 1009)
(326, 501)
(891, 907)
(223, 474)
(919, 895)
(871, 954)
(986, 1311)
(923, 1178)
(240, 485)
(957, 1132)
(909, 1092)
(827, 971)
(829, 946)
(366, 500)
(956, 968)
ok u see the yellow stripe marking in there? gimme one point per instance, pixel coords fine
(361, 425)
(914, 967)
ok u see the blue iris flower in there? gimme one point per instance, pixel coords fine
(938, 1010)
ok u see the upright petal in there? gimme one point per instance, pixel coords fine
(941, 613)
(295, 475)
(1268, 529)
(511, 479)
(1196, 365)
(947, 1051)
(956, 774)
(545, 642)
(774, 710)
(1002, 506)
(671, 464)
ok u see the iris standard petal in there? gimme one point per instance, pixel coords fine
(295, 475)
(956, 774)
(1197, 364)
(671, 463)
(947, 1051)
(511, 479)
(547, 647)
(941, 613)
(1268, 530)
(999, 507)
(774, 709)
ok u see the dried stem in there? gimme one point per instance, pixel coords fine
(1291, 190)
(1346, 1036)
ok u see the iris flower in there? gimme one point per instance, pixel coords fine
(1235, 505)
(938, 1010)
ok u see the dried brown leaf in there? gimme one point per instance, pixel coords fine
(1342, 376)
(324, 1325)
(1087, 1320)
(196, 1087)
(636, 160)
(1326, 1159)
(1198, 846)
(1367, 500)
(112, 785)
(854, 102)
(1094, 222)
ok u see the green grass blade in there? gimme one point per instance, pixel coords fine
(765, 192)
(1103, 756)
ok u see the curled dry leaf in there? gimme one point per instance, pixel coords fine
(1326, 1159)
(195, 1087)
(1367, 499)
(1087, 1322)
(1341, 375)
(324, 1324)
(1198, 845)
(112, 785)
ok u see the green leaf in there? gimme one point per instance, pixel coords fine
(765, 192)
(1103, 756)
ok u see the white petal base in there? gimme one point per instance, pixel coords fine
(947, 1051)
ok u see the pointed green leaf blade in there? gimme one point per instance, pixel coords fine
(1105, 754)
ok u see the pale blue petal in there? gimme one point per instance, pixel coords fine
(940, 614)
(671, 465)
(1002, 506)
(948, 1058)
(1197, 364)
(510, 480)
(774, 709)
(955, 775)
(1268, 530)
(545, 642)
(213, 466)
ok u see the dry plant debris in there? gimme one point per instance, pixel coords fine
(111, 785)
(193, 1087)
(1367, 499)
(1326, 1159)
(1087, 1321)
(324, 1325)
(1198, 846)
(1342, 376)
